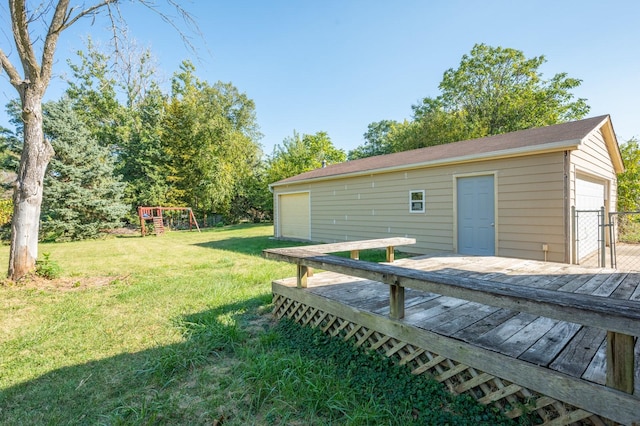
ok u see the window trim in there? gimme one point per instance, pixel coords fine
(423, 201)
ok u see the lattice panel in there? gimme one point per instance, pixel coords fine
(513, 400)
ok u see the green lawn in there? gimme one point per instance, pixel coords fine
(176, 330)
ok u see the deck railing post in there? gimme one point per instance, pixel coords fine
(620, 361)
(396, 301)
(355, 254)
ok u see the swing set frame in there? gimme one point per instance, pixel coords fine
(155, 214)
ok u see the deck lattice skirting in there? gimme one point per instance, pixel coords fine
(512, 399)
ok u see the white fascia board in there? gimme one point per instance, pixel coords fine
(493, 155)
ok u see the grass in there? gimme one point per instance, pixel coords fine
(176, 330)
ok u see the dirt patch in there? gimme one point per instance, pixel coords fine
(129, 230)
(66, 283)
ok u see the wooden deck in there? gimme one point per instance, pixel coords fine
(552, 356)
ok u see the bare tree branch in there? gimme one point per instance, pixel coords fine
(20, 27)
(12, 72)
(70, 20)
(183, 13)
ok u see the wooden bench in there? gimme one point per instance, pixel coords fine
(354, 247)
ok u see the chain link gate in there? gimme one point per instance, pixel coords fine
(589, 237)
(607, 240)
(624, 234)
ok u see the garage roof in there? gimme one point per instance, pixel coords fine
(559, 137)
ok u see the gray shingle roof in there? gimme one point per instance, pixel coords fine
(556, 137)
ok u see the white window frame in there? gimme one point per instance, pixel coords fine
(412, 201)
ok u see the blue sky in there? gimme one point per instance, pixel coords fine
(338, 65)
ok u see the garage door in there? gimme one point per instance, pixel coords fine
(294, 216)
(589, 199)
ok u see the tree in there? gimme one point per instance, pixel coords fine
(494, 90)
(210, 138)
(81, 196)
(299, 154)
(133, 130)
(501, 91)
(629, 180)
(376, 140)
(55, 17)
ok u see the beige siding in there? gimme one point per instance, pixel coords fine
(530, 206)
(592, 159)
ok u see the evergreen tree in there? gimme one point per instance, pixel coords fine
(81, 196)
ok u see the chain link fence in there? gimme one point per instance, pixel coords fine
(607, 240)
(625, 252)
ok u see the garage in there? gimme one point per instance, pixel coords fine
(294, 216)
(508, 195)
(589, 200)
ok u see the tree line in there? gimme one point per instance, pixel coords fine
(120, 141)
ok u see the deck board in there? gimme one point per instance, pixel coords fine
(559, 345)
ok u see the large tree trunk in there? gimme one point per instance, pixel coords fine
(27, 195)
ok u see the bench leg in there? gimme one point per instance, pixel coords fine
(303, 273)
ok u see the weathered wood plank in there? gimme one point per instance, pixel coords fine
(618, 406)
(361, 245)
(626, 288)
(461, 317)
(608, 314)
(596, 371)
(494, 338)
(551, 344)
(577, 355)
(421, 313)
(610, 284)
(486, 324)
(525, 338)
(574, 284)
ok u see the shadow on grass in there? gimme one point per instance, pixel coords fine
(157, 385)
(249, 245)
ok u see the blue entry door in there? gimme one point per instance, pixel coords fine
(476, 216)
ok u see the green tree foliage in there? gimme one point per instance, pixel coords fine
(93, 91)
(494, 90)
(629, 180)
(81, 196)
(131, 130)
(376, 140)
(142, 161)
(299, 154)
(210, 137)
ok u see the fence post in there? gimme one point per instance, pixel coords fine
(574, 236)
(603, 239)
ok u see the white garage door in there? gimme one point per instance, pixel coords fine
(294, 216)
(589, 197)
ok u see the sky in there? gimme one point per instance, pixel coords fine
(338, 65)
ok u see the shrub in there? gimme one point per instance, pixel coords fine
(47, 268)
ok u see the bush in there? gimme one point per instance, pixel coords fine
(47, 268)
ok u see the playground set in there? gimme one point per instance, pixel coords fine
(160, 220)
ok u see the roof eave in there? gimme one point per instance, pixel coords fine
(492, 155)
(611, 141)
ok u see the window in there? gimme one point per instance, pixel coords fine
(416, 201)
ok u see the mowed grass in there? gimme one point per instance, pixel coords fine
(175, 330)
